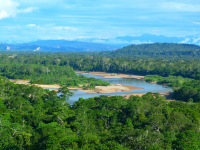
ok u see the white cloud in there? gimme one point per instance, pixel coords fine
(10, 8)
(27, 10)
(60, 38)
(64, 28)
(196, 40)
(186, 40)
(31, 25)
(196, 23)
(4, 14)
(183, 7)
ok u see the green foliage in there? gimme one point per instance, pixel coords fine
(23, 110)
(34, 118)
(162, 50)
(189, 91)
(188, 140)
(44, 73)
(105, 61)
(174, 81)
(85, 87)
(185, 89)
(146, 122)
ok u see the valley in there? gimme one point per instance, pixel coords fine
(90, 100)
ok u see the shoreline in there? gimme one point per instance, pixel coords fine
(111, 75)
(111, 89)
(98, 89)
(167, 95)
(26, 82)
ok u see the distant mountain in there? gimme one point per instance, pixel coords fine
(147, 38)
(172, 50)
(97, 45)
(60, 45)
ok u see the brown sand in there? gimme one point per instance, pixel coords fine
(111, 89)
(27, 82)
(167, 95)
(98, 89)
(112, 75)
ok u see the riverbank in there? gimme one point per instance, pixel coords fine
(167, 95)
(27, 82)
(98, 89)
(112, 75)
(111, 89)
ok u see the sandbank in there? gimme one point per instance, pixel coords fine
(111, 89)
(167, 95)
(98, 89)
(27, 82)
(112, 75)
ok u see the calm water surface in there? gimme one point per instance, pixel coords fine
(147, 87)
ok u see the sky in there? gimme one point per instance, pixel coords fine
(31, 20)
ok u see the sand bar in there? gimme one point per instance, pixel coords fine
(167, 95)
(98, 89)
(27, 82)
(111, 89)
(112, 75)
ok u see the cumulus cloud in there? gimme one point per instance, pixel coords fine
(10, 8)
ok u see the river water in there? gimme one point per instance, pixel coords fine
(147, 87)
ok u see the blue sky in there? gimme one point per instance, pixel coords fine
(29, 20)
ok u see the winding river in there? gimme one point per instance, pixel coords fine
(147, 87)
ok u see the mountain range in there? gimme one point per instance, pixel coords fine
(147, 38)
(60, 45)
(96, 44)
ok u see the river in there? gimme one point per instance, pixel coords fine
(147, 87)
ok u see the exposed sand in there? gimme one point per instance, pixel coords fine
(98, 89)
(112, 75)
(111, 89)
(27, 82)
(167, 95)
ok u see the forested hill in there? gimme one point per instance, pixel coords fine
(173, 50)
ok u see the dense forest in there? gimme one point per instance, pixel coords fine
(35, 118)
(185, 89)
(57, 68)
(18, 67)
(161, 50)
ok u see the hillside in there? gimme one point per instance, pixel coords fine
(59, 45)
(159, 50)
